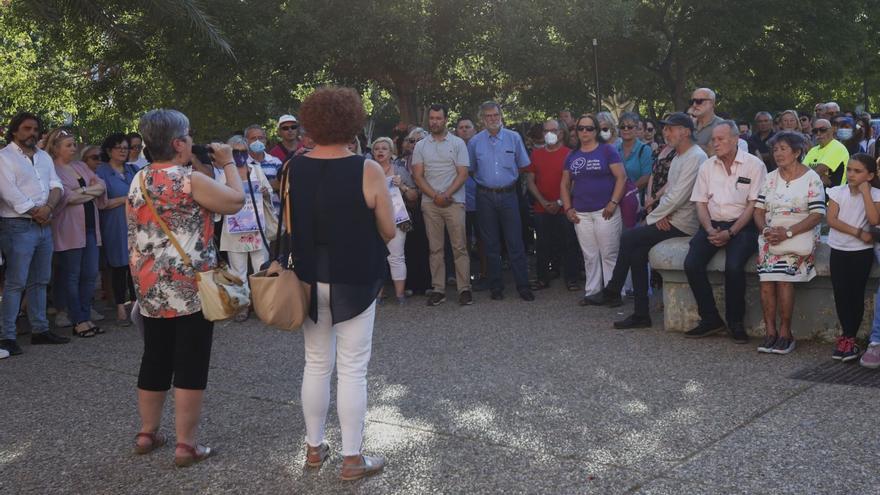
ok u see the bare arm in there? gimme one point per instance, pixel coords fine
(533, 188)
(643, 181)
(703, 216)
(377, 197)
(760, 218)
(744, 218)
(419, 178)
(114, 203)
(824, 174)
(461, 176)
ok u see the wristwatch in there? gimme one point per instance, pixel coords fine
(789, 233)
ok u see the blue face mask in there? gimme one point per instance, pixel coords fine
(257, 146)
(844, 134)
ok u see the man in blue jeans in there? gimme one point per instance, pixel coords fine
(725, 192)
(497, 155)
(30, 191)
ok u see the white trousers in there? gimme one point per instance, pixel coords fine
(238, 262)
(347, 345)
(396, 260)
(600, 241)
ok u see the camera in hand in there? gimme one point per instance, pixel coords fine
(203, 153)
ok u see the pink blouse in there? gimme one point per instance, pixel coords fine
(69, 221)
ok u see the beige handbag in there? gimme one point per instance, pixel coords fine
(799, 245)
(222, 294)
(281, 300)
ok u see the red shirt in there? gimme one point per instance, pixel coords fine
(547, 167)
(280, 152)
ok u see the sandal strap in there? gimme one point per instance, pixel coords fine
(188, 448)
(151, 436)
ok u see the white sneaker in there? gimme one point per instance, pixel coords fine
(95, 316)
(4, 354)
(62, 321)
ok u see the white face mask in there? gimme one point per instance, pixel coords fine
(550, 138)
(606, 135)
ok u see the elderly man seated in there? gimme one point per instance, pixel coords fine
(725, 192)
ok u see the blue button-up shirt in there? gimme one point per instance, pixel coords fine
(496, 160)
(639, 163)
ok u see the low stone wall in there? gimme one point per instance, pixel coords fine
(814, 314)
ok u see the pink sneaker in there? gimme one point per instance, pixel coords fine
(871, 357)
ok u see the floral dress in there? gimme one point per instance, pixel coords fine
(806, 194)
(166, 287)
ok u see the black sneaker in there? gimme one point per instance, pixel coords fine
(525, 294)
(48, 337)
(465, 298)
(633, 321)
(436, 299)
(612, 298)
(783, 345)
(594, 300)
(846, 349)
(738, 333)
(767, 346)
(11, 346)
(704, 329)
(497, 294)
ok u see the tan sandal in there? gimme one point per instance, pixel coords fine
(193, 456)
(315, 456)
(368, 467)
(157, 439)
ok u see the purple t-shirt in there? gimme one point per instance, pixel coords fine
(593, 182)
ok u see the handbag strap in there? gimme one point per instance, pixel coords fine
(256, 212)
(162, 224)
(283, 189)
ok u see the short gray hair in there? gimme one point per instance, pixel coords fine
(489, 104)
(417, 132)
(765, 114)
(832, 104)
(160, 128)
(630, 116)
(237, 139)
(734, 127)
(252, 127)
(712, 94)
(605, 117)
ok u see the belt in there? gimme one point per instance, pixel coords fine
(19, 219)
(497, 189)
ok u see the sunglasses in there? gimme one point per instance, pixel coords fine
(289, 127)
(588, 128)
(820, 130)
(649, 129)
(699, 101)
(137, 148)
(626, 127)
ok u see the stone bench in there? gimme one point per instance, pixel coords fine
(814, 315)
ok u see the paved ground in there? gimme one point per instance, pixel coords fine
(500, 397)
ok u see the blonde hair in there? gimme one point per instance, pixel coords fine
(55, 138)
(388, 141)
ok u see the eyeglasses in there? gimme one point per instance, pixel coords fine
(606, 129)
(121, 148)
(649, 129)
(699, 101)
(137, 147)
(588, 128)
(289, 127)
(820, 130)
(626, 127)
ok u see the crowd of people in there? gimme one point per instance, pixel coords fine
(450, 205)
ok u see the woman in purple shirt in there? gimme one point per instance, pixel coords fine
(592, 187)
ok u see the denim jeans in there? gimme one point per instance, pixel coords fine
(635, 244)
(27, 248)
(555, 244)
(79, 271)
(737, 253)
(497, 214)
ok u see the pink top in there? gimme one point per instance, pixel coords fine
(69, 221)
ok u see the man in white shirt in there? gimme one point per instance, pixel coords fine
(30, 190)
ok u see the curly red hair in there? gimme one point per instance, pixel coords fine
(333, 115)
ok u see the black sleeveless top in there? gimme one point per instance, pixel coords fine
(335, 238)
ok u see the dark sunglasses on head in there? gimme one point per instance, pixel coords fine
(588, 128)
(289, 127)
(819, 130)
(699, 101)
(626, 127)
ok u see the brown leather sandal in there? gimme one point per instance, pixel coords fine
(315, 456)
(157, 439)
(194, 455)
(368, 467)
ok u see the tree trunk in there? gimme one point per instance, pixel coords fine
(406, 104)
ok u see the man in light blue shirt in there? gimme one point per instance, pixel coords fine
(497, 155)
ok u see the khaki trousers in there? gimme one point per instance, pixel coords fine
(453, 219)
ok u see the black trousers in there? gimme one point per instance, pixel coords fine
(178, 348)
(120, 277)
(849, 276)
(556, 245)
(737, 254)
(635, 244)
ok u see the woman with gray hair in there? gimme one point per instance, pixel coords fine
(635, 154)
(607, 127)
(177, 337)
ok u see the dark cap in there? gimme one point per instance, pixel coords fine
(679, 118)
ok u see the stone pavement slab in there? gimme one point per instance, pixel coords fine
(499, 397)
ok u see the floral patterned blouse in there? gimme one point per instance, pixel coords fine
(166, 287)
(779, 198)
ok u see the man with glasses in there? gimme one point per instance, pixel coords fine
(702, 107)
(497, 155)
(828, 158)
(135, 150)
(832, 110)
(30, 191)
(288, 131)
